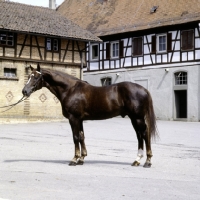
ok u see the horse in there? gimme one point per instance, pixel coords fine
(81, 101)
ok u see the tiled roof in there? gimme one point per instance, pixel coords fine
(40, 20)
(107, 17)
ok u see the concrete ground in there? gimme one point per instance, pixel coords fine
(34, 161)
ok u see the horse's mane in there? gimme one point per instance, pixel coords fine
(63, 74)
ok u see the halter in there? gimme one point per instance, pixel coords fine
(36, 83)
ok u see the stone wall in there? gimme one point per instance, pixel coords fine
(40, 105)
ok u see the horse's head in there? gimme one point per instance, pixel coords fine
(34, 82)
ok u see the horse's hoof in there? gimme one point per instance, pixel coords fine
(80, 162)
(147, 165)
(72, 163)
(135, 163)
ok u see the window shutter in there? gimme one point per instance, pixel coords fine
(134, 46)
(121, 49)
(184, 40)
(190, 39)
(169, 42)
(139, 46)
(107, 51)
(153, 44)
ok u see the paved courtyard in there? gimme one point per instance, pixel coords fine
(34, 161)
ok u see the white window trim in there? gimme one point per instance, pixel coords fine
(91, 52)
(157, 43)
(111, 49)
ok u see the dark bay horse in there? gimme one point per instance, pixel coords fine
(81, 101)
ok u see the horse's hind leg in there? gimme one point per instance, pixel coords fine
(137, 126)
(83, 146)
(142, 135)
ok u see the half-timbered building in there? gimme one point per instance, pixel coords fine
(155, 43)
(31, 35)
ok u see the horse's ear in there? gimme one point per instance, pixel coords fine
(38, 67)
(31, 68)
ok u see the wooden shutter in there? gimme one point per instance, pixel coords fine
(121, 49)
(187, 40)
(137, 46)
(153, 44)
(184, 40)
(190, 39)
(107, 51)
(169, 42)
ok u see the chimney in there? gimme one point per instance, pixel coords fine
(52, 4)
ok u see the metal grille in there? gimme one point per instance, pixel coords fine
(181, 78)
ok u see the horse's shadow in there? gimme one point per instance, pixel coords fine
(88, 162)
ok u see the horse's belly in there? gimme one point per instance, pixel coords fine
(100, 115)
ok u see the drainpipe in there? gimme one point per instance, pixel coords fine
(52, 4)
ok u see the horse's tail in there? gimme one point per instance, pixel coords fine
(150, 119)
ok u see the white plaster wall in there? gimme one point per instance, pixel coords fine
(161, 86)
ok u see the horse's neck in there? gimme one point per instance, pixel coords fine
(56, 83)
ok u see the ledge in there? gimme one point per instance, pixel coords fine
(9, 78)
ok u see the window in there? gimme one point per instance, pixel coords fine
(94, 51)
(55, 44)
(115, 49)
(187, 40)
(9, 72)
(106, 81)
(52, 44)
(181, 78)
(137, 46)
(161, 43)
(6, 38)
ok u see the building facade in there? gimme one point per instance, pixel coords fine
(30, 35)
(153, 43)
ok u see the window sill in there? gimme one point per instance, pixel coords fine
(9, 78)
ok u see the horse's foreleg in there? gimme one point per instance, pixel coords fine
(83, 146)
(75, 126)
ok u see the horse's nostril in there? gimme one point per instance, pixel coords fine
(24, 92)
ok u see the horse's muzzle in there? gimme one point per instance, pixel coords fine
(27, 91)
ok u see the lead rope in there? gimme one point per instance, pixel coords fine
(12, 105)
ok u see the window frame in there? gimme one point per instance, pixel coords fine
(158, 43)
(10, 37)
(92, 50)
(111, 50)
(183, 81)
(52, 42)
(133, 46)
(10, 72)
